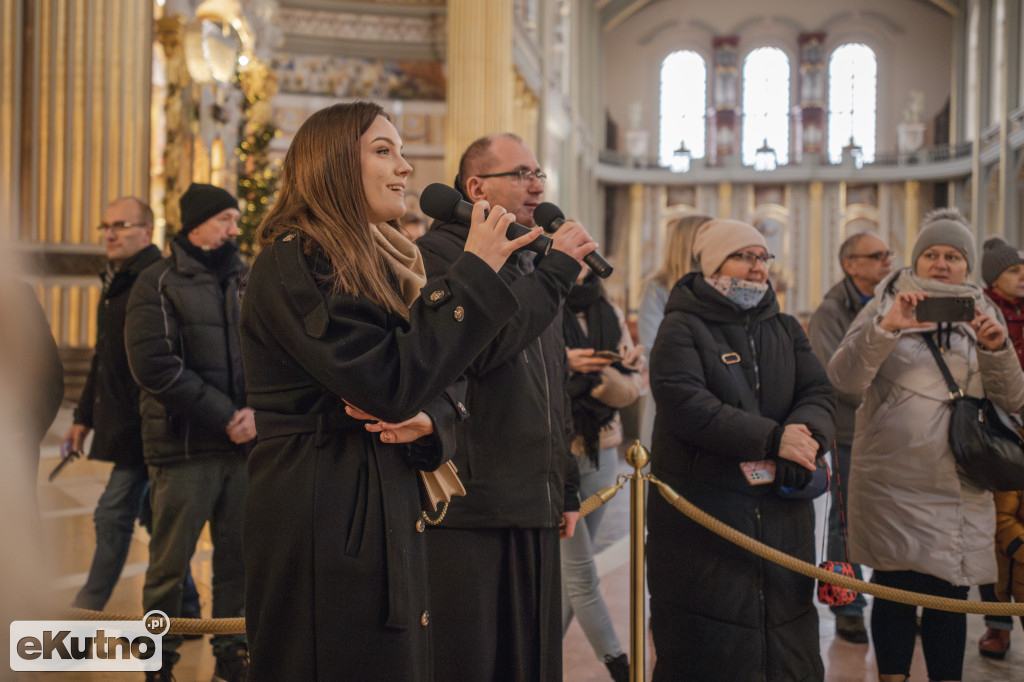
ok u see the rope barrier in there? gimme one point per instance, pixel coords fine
(179, 626)
(227, 626)
(771, 554)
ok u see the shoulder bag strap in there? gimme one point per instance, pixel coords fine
(731, 359)
(954, 389)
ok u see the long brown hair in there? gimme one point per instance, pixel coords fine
(679, 258)
(323, 200)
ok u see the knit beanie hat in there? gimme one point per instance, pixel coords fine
(716, 240)
(945, 227)
(200, 202)
(997, 257)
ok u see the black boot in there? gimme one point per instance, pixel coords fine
(618, 666)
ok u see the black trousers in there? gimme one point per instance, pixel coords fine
(894, 627)
(496, 604)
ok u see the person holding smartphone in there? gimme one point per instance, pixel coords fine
(604, 377)
(912, 518)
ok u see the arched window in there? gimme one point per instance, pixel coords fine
(684, 81)
(852, 94)
(765, 103)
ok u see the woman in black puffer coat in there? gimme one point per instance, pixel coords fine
(735, 383)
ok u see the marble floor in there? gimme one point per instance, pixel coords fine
(67, 503)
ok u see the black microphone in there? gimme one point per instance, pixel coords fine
(550, 217)
(443, 203)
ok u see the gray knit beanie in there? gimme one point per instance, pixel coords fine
(945, 227)
(997, 257)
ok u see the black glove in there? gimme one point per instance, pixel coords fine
(789, 474)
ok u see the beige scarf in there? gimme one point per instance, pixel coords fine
(404, 259)
(407, 264)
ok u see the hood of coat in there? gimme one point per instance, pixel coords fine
(692, 294)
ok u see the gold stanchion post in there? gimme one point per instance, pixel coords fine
(637, 457)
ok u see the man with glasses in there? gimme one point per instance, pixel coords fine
(498, 545)
(110, 403)
(866, 260)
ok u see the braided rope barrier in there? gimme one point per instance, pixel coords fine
(765, 552)
(227, 626)
(179, 626)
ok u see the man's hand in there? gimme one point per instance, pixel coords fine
(567, 528)
(574, 240)
(394, 432)
(487, 235)
(242, 427)
(74, 439)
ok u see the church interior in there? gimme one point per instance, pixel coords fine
(810, 119)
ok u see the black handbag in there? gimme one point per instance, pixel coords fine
(989, 451)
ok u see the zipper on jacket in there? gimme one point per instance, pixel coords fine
(753, 354)
(547, 407)
(760, 600)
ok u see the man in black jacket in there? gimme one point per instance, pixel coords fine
(866, 260)
(499, 544)
(183, 347)
(109, 404)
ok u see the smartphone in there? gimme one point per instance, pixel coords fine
(945, 309)
(608, 355)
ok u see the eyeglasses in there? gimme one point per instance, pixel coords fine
(119, 225)
(523, 175)
(878, 255)
(752, 259)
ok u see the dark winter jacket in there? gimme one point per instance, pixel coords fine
(110, 400)
(718, 612)
(826, 330)
(335, 560)
(514, 452)
(181, 334)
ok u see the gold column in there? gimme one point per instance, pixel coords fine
(481, 80)
(912, 212)
(1006, 153)
(635, 246)
(724, 200)
(73, 78)
(816, 211)
(10, 119)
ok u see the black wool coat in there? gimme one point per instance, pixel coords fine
(717, 611)
(110, 400)
(515, 452)
(334, 552)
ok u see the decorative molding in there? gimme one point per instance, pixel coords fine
(359, 77)
(362, 27)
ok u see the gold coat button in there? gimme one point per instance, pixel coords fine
(461, 408)
(421, 525)
(459, 314)
(437, 295)
(425, 618)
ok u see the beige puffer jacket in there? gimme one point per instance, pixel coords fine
(908, 508)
